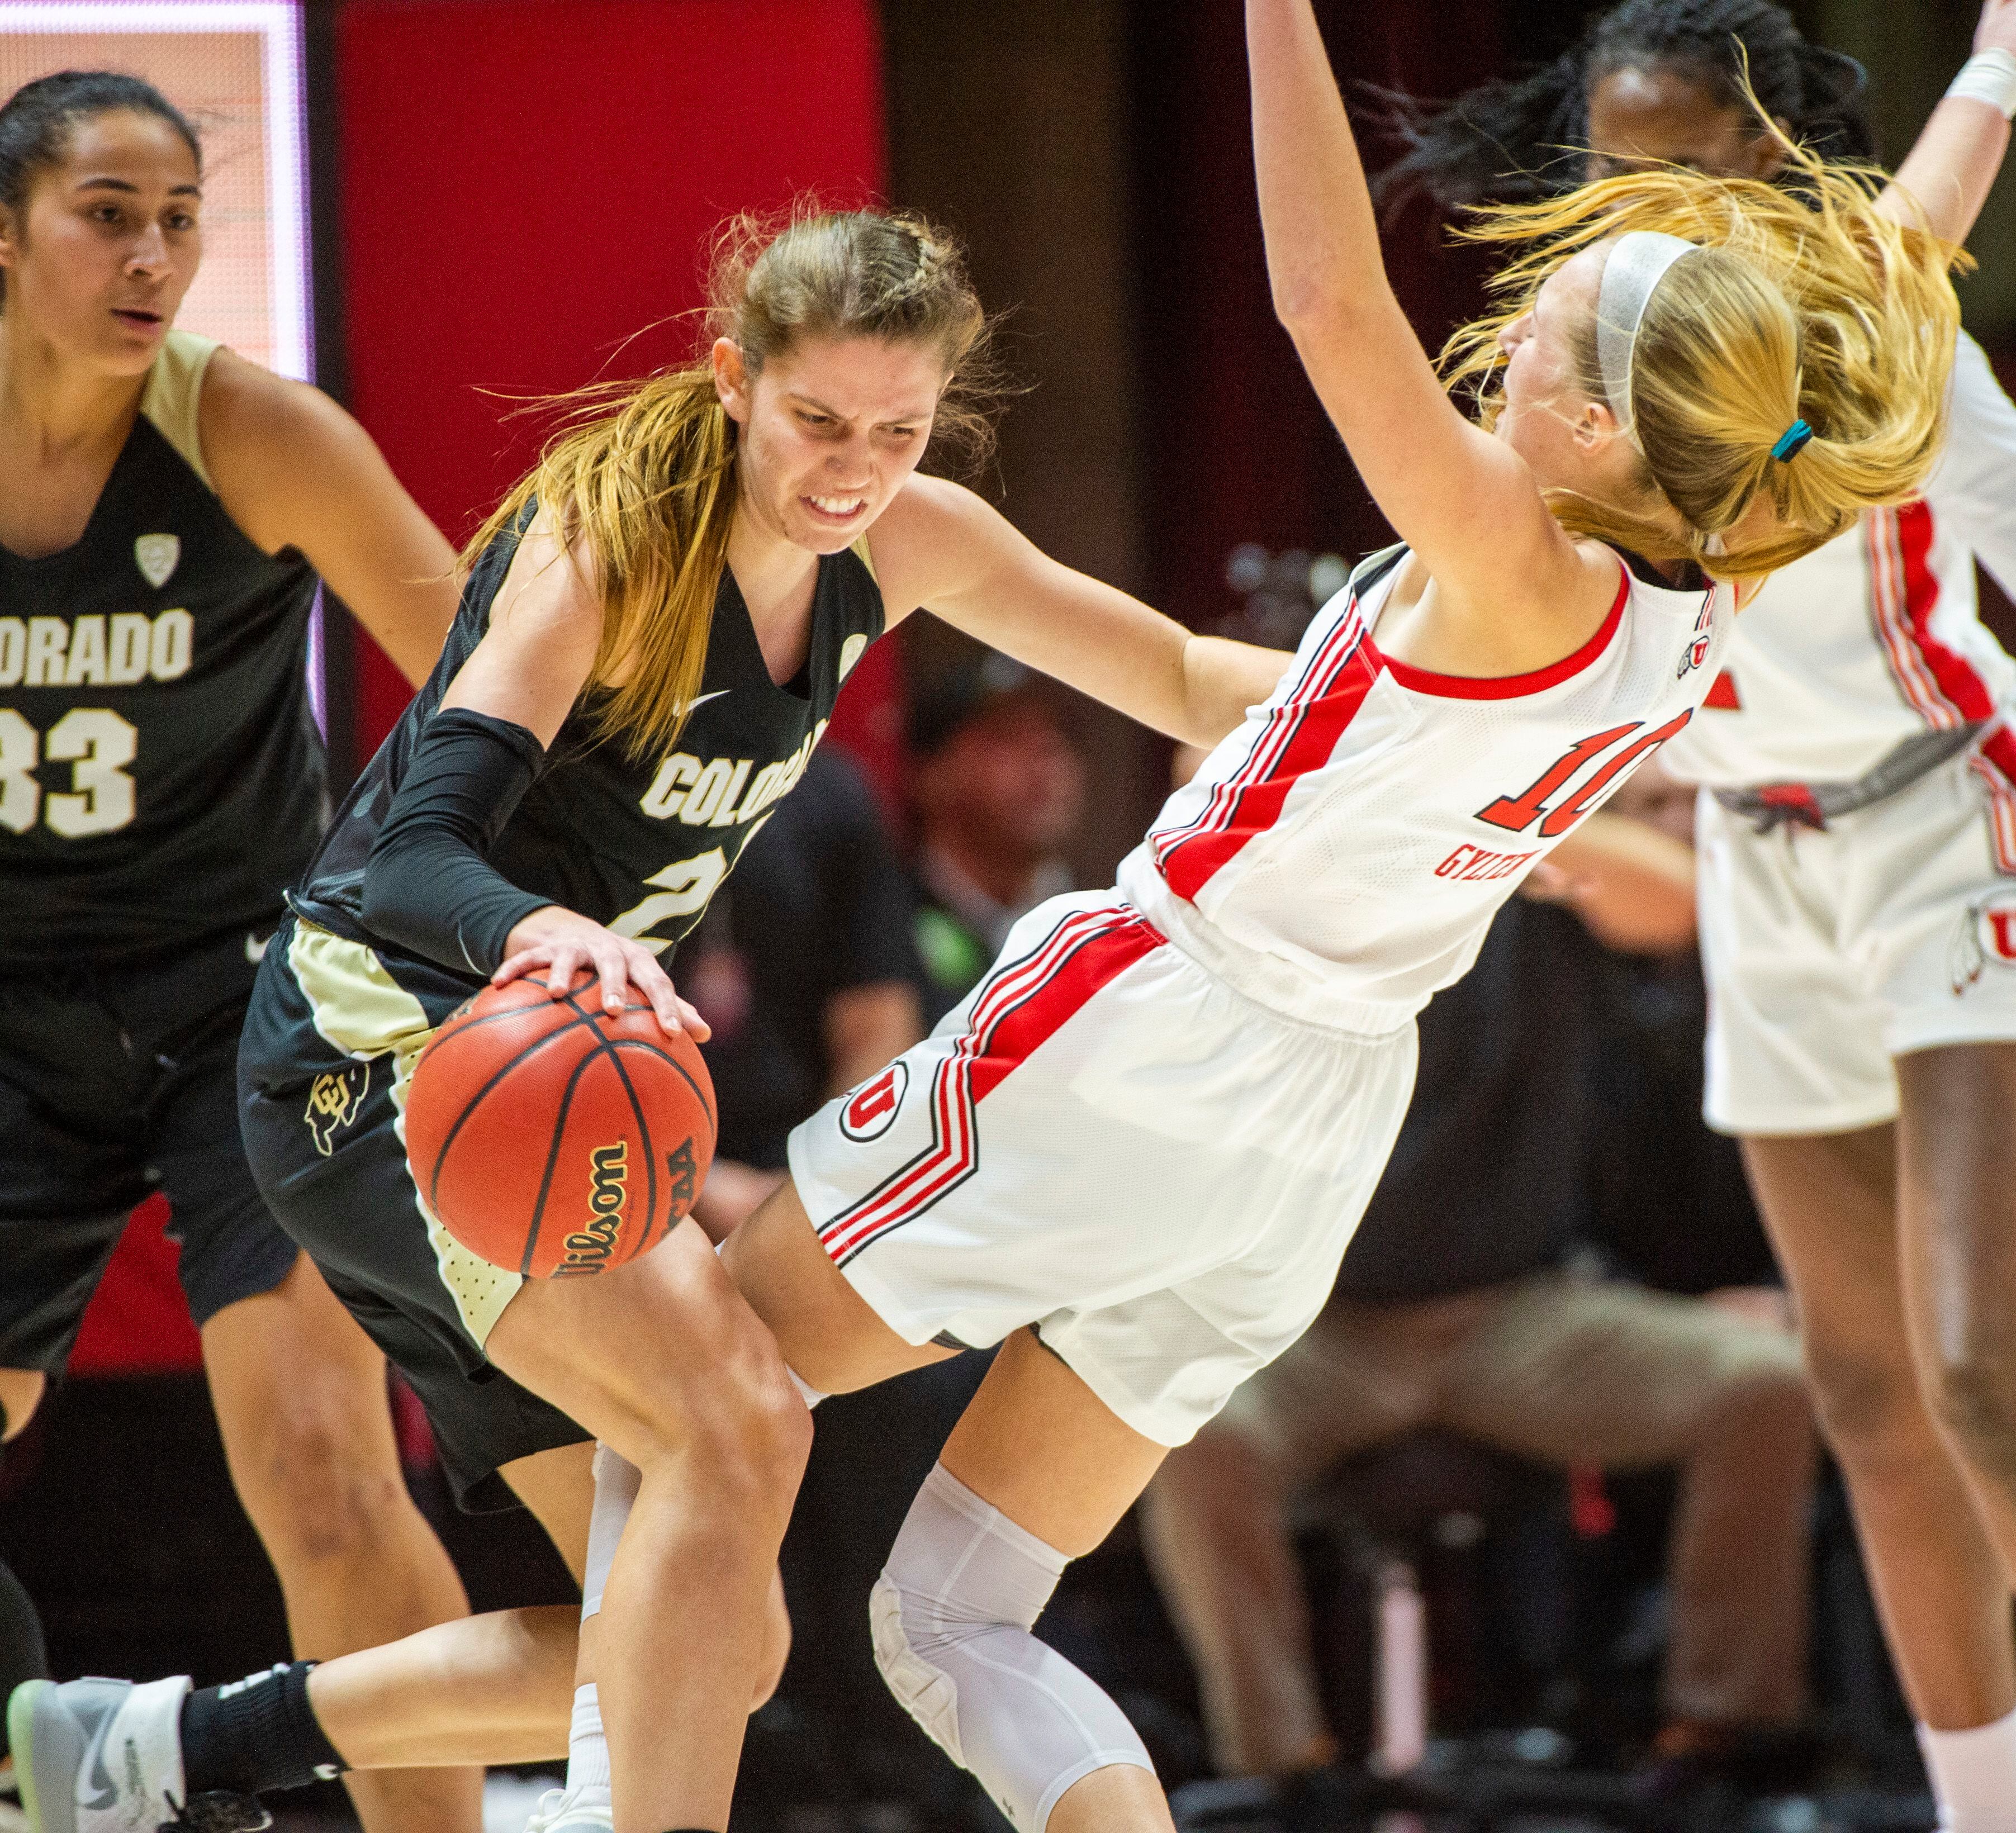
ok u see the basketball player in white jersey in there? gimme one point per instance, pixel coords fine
(1133, 1155)
(1857, 888)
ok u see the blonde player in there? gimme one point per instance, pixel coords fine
(1857, 885)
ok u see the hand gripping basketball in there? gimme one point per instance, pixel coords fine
(555, 1139)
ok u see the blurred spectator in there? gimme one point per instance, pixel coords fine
(1460, 1305)
(805, 967)
(998, 791)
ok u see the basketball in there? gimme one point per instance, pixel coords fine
(555, 1138)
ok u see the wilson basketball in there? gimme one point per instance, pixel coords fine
(553, 1137)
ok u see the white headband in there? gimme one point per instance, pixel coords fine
(1636, 265)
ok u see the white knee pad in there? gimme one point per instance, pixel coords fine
(952, 1616)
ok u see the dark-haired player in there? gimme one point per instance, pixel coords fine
(166, 511)
(1858, 884)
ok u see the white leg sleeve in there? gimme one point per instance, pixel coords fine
(952, 1616)
(616, 1481)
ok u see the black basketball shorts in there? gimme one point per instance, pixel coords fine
(115, 1083)
(330, 1039)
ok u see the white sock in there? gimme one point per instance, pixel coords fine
(617, 1480)
(1974, 1776)
(588, 1749)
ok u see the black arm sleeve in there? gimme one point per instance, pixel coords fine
(428, 887)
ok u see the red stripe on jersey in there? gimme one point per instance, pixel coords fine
(1024, 1003)
(1505, 687)
(1301, 733)
(1722, 694)
(1280, 727)
(1958, 681)
(1902, 595)
(1957, 691)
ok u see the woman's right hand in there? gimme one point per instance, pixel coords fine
(556, 944)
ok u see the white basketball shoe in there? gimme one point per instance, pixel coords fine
(105, 1756)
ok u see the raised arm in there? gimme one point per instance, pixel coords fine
(294, 470)
(1464, 501)
(939, 547)
(1948, 170)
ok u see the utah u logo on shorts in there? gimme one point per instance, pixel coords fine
(1987, 933)
(871, 1109)
(334, 1098)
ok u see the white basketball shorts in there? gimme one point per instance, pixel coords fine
(1105, 1142)
(1830, 953)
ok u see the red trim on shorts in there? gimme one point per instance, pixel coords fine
(1721, 694)
(1505, 687)
(1300, 734)
(1995, 764)
(1019, 1007)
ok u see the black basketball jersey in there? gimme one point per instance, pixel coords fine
(639, 847)
(161, 779)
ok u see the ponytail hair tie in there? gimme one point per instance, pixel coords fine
(1791, 442)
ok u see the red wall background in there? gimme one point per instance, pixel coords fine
(527, 184)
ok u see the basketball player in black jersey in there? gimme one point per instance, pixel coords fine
(654, 628)
(166, 510)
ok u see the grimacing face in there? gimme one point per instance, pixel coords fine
(1656, 114)
(830, 431)
(105, 247)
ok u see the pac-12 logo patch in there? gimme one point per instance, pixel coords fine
(157, 556)
(334, 1098)
(870, 1111)
(1987, 933)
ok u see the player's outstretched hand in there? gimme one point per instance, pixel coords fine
(1997, 30)
(555, 944)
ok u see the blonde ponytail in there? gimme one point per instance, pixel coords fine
(1807, 304)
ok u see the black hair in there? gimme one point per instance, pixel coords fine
(1517, 139)
(37, 119)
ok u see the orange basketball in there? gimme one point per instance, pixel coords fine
(553, 1137)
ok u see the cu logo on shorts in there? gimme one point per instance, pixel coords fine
(871, 1109)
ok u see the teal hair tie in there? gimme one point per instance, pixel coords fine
(1792, 441)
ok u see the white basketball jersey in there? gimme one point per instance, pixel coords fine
(1341, 855)
(1876, 638)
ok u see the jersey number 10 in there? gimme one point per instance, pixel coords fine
(1517, 813)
